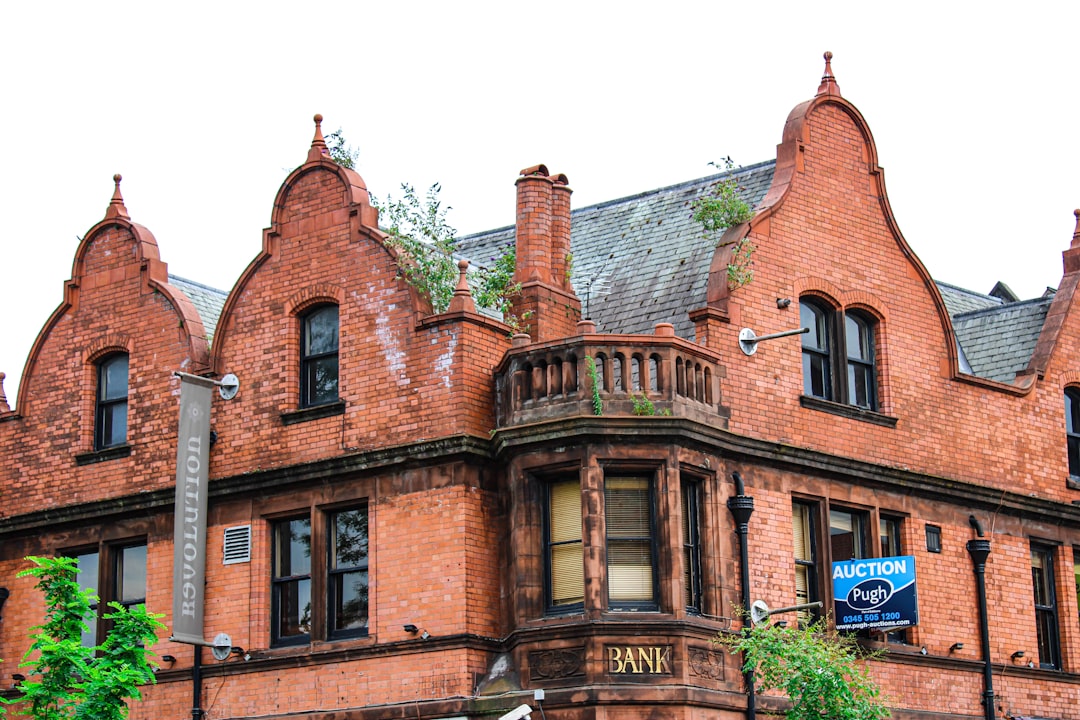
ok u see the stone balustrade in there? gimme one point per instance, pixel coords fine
(659, 374)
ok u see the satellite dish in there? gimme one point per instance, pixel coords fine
(222, 646)
(759, 612)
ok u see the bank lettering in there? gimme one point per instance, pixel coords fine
(636, 660)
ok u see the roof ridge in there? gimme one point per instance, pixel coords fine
(1004, 307)
(204, 286)
(743, 170)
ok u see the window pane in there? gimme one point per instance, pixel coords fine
(322, 380)
(629, 542)
(293, 552)
(890, 537)
(566, 573)
(691, 546)
(1042, 580)
(813, 318)
(859, 339)
(114, 378)
(350, 600)
(847, 535)
(131, 575)
(294, 608)
(322, 331)
(87, 578)
(349, 547)
(113, 418)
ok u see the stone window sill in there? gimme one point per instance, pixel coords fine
(849, 411)
(313, 413)
(120, 451)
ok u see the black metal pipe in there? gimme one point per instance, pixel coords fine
(979, 550)
(196, 679)
(742, 507)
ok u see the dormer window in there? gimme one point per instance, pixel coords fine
(110, 424)
(319, 357)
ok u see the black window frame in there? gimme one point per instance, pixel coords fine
(108, 582)
(337, 572)
(109, 403)
(1047, 629)
(830, 371)
(690, 532)
(617, 604)
(1072, 430)
(311, 362)
(323, 576)
(551, 545)
(811, 562)
(281, 580)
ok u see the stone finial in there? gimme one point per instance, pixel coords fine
(116, 207)
(828, 84)
(318, 144)
(1076, 232)
(3, 396)
(462, 299)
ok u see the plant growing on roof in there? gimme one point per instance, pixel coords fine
(721, 209)
(421, 231)
(341, 153)
(818, 668)
(495, 288)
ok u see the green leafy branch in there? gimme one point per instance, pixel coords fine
(721, 209)
(819, 669)
(421, 231)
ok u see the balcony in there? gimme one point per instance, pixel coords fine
(659, 374)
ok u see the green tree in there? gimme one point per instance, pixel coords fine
(818, 668)
(67, 680)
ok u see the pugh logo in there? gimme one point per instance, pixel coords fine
(870, 594)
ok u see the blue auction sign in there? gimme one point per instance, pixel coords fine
(875, 593)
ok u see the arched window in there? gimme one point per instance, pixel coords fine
(862, 384)
(319, 356)
(110, 414)
(849, 378)
(1072, 428)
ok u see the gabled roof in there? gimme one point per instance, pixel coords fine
(638, 260)
(207, 300)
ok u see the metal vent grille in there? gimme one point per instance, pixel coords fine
(237, 544)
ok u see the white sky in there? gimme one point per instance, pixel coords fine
(204, 107)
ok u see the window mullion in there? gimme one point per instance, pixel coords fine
(319, 576)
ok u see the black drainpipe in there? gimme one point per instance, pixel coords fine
(979, 550)
(742, 507)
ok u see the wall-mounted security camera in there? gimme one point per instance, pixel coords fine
(519, 713)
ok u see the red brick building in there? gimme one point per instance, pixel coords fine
(414, 516)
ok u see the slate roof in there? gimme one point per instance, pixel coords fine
(207, 300)
(638, 260)
(642, 259)
(999, 341)
(958, 300)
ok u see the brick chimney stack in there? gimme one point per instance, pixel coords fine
(547, 304)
